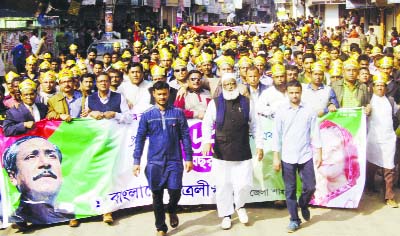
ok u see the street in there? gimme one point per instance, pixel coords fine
(372, 217)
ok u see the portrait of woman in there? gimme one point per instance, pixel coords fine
(340, 168)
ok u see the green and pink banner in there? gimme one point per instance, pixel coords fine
(59, 170)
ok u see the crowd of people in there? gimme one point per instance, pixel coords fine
(293, 74)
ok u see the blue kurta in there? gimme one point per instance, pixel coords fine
(164, 158)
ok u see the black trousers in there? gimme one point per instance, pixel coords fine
(158, 206)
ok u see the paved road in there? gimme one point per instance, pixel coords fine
(372, 217)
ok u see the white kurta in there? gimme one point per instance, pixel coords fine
(381, 138)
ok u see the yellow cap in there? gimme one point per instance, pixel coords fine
(278, 69)
(355, 55)
(318, 46)
(27, 85)
(380, 77)
(376, 51)
(31, 59)
(73, 47)
(126, 54)
(324, 55)
(259, 60)
(157, 71)
(351, 64)
(241, 38)
(335, 43)
(47, 55)
(165, 54)
(278, 55)
(116, 44)
(10, 76)
(203, 58)
(217, 41)
(184, 54)
(145, 65)
(222, 60)
(81, 65)
(318, 66)
(397, 49)
(49, 75)
(335, 71)
(65, 73)
(232, 45)
(76, 71)
(119, 65)
(386, 62)
(45, 65)
(243, 61)
(137, 44)
(179, 63)
(70, 62)
(195, 52)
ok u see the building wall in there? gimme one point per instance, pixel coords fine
(331, 15)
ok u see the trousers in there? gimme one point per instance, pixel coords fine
(388, 176)
(233, 182)
(158, 206)
(307, 176)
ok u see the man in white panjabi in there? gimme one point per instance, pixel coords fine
(233, 117)
(271, 98)
(381, 138)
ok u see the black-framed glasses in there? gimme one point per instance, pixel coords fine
(195, 79)
(180, 70)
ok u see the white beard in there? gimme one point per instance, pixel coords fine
(230, 95)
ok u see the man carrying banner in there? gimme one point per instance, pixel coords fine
(233, 115)
(167, 128)
(295, 123)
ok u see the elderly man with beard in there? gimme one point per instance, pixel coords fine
(233, 117)
(34, 167)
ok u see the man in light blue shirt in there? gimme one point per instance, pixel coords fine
(295, 124)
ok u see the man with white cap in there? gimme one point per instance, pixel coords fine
(233, 117)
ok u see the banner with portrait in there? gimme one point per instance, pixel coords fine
(84, 168)
(341, 177)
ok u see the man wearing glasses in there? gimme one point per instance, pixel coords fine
(194, 103)
(180, 73)
(66, 104)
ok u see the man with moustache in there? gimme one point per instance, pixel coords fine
(66, 104)
(33, 165)
(233, 116)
